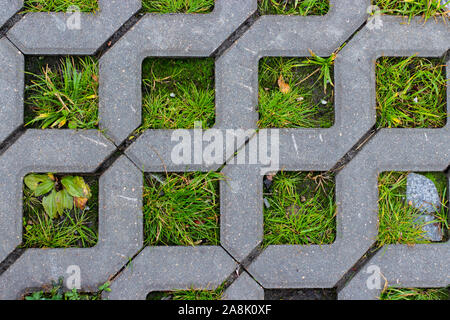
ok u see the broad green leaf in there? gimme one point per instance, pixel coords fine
(33, 180)
(44, 187)
(49, 204)
(72, 188)
(59, 202)
(80, 183)
(67, 200)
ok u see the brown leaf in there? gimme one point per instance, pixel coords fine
(80, 202)
(284, 87)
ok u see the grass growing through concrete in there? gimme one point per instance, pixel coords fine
(296, 93)
(56, 292)
(177, 93)
(411, 92)
(64, 95)
(301, 210)
(396, 217)
(192, 294)
(415, 294)
(178, 6)
(409, 8)
(74, 228)
(181, 209)
(59, 5)
(294, 7)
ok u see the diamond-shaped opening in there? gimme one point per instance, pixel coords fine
(412, 207)
(188, 294)
(393, 293)
(296, 92)
(177, 93)
(61, 92)
(171, 6)
(181, 209)
(300, 294)
(294, 7)
(299, 208)
(410, 9)
(411, 92)
(60, 210)
(61, 6)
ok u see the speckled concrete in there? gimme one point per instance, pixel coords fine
(241, 201)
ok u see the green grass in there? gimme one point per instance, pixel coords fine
(412, 8)
(59, 5)
(310, 97)
(178, 6)
(56, 292)
(415, 294)
(74, 228)
(396, 218)
(192, 294)
(181, 209)
(294, 7)
(177, 92)
(411, 93)
(302, 209)
(64, 95)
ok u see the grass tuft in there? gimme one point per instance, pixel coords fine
(178, 6)
(56, 292)
(396, 218)
(74, 228)
(302, 209)
(294, 7)
(63, 96)
(415, 294)
(177, 93)
(411, 93)
(412, 8)
(192, 294)
(60, 5)
(181, 209)
(308, 100)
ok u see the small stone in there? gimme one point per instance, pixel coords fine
(172, 95)
(324, 102)
(433, 232)
(422, 193)
(266, 203)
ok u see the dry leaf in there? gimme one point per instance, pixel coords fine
(80, 202)
(284, 87)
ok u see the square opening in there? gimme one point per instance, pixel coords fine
(296, 92)
(191, 294)
(181, 209)
(411, 92)
(177, 93)
(412, 208)
(299, 208)
(177, 6)
(393, 293)
(294, 7)
(57, 291)
(300, 294)
(60, 211)
(410, 9)
(60, 5)
(61, 92)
